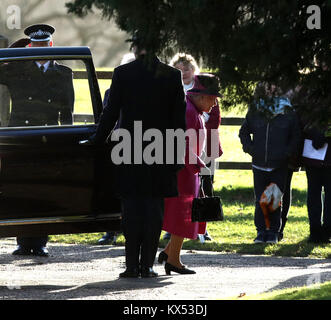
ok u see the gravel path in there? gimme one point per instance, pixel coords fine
(86, 272)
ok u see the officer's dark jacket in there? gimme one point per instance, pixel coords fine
(274, 141)
(38, 98)
(152, 93)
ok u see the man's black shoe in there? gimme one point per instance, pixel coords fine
(41, 252)
(130, 273)
(148, 272)
(21, 251)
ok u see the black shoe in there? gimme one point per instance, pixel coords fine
(317, 235)
(326, 232)
(318, 239)
(41, 252)
(169, 267)
(130, 273)
(108, 238)
(162, 257)
(148, 272)
(21, 251)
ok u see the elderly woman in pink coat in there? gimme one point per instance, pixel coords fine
(177, 216)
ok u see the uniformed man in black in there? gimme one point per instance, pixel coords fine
(41, 91)
(42, 94)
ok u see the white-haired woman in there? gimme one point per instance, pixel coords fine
(188, 66)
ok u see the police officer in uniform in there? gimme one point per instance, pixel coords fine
(42, 94)
(41, 91)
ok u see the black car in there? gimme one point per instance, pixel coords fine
(51, 182)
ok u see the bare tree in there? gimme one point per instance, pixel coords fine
(104, 38)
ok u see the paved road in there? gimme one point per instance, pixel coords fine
(80, 272)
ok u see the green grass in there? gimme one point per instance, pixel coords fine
(314, 292)
(236, 233)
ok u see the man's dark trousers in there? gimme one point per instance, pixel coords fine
(318, 177)
(142, 220)
(32, 242)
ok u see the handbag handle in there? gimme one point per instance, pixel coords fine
(201, 189)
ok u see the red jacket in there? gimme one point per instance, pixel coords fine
(177, 210)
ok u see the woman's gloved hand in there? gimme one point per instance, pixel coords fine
(21, 43)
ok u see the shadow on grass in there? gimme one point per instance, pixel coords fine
(245, 196)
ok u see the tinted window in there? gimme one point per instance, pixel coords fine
(44, 93)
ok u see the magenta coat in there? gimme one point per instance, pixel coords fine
(177, 213)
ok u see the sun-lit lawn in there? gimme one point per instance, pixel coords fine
(314, 292)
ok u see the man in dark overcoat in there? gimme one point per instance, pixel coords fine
(42, 94)
(150, 93)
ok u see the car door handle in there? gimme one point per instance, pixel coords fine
(85, 142)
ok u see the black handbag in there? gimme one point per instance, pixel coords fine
(206, 209)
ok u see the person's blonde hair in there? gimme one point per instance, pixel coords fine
(185, 59)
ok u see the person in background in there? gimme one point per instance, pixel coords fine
(110, 237)
(318, 173)
(177, 217)
(276, 138)
(189, 68)
(316, 156)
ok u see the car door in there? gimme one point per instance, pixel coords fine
(49, 181)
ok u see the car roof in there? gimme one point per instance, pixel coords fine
(49, 52)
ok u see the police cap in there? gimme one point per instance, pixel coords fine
(39, 32)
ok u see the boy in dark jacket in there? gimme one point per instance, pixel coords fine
(271, 135)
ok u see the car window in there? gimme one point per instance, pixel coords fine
(44, 93)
